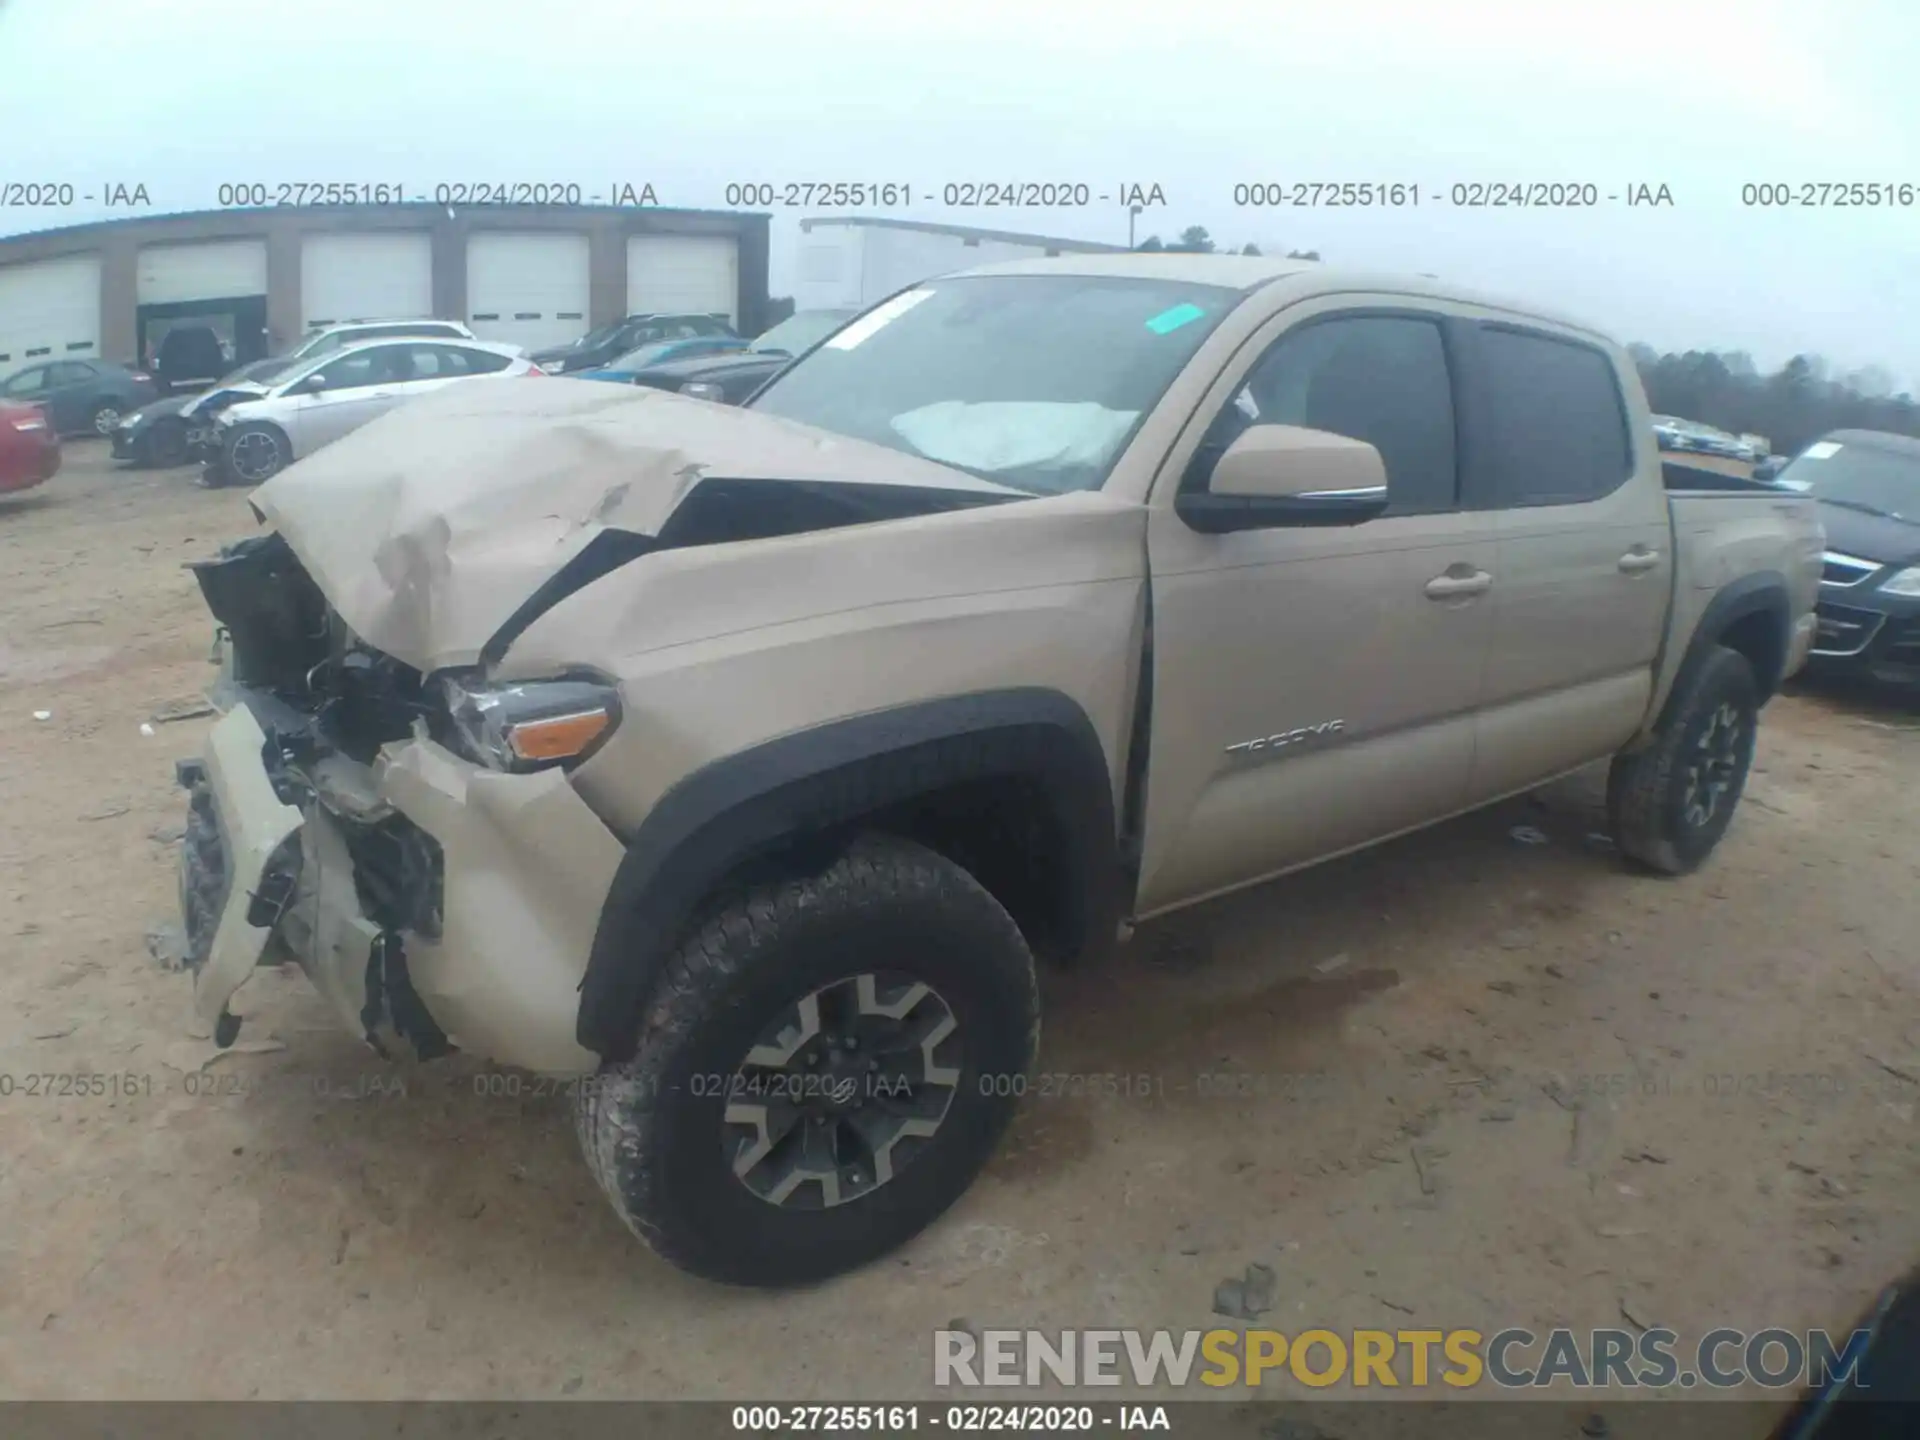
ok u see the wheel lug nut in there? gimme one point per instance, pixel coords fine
(851, 1043)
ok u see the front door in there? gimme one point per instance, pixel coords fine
(355, 388)
(29, 387)
(1315, 689)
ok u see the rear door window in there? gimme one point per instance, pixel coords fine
(472, 362)
(1557, 430)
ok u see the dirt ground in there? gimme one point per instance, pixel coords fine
(1486, 1082)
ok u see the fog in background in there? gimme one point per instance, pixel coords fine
(1195, 97)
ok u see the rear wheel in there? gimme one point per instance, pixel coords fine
(104, 418)
(256, 453)
(824, 1068)
(1670, 803)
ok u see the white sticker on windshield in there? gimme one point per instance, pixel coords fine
(871, 322)
(1820, 450)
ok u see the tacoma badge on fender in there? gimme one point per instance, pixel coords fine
(1287, 737)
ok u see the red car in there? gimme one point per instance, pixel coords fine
(29, 449)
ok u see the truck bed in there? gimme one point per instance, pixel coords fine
(1682, 475)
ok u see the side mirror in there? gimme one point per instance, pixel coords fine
(310, 385)
(1284, 475)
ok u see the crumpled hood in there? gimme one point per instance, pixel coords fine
(427, 529)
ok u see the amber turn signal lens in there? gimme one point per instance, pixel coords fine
(559, 738)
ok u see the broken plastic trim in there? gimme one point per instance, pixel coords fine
(720, 511)
(391, 998)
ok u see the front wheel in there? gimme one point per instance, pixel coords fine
(823, 1069)
(256, 453)
(1670, 803)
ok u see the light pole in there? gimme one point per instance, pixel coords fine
(1133, 212)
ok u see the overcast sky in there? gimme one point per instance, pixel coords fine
(1194, 96)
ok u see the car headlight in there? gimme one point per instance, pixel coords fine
(532, 724)
(703, 390)
(1907, 582)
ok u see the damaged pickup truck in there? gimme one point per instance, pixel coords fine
(740, 763)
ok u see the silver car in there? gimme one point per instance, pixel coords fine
(312, 404)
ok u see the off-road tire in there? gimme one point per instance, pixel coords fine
(1647, 789)
(651, 1127)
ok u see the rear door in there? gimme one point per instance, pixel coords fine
(1315, 688)
(72, 392)
(1585, 553)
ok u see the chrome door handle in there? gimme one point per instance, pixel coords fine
(1635, 561)
(1452, 587)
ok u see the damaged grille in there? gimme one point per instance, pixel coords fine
(289, 644)
(320, 694)
(400, 873)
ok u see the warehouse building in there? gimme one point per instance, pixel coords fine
(531, 276)
(852, 261)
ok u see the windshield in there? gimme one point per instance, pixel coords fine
(803, 331)
(1034, 381)
(1861, 476)
(645, 355)
(595, 337)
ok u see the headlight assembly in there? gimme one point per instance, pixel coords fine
(1906, 582)
(532, 724)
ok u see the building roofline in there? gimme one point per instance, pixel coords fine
(398, 209)
(962, 232)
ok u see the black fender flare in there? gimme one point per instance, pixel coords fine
(822, 780)
(1764, 592)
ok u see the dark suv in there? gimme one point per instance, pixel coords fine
(597, 347)
(1868, 486)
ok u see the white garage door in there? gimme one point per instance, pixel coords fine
(49, 308)
(366, 277)
(528, 290)
(212, 270)
(683, 275)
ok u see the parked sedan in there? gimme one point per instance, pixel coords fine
(180, 428)
(729, 377)
(609, 342)
(29, 449)
(80, 396)
(622, 370)
(309, 405)
(1868, 486)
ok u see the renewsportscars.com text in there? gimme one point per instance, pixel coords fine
(1414, 1359)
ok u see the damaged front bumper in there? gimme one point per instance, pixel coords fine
(433, 903)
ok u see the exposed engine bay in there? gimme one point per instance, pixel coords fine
(326, 703)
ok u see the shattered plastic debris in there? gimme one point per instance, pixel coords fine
(1337, 962)
(43, 714)
(146, 729)
(1527, 835)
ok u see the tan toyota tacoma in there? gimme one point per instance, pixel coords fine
(741, 763)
